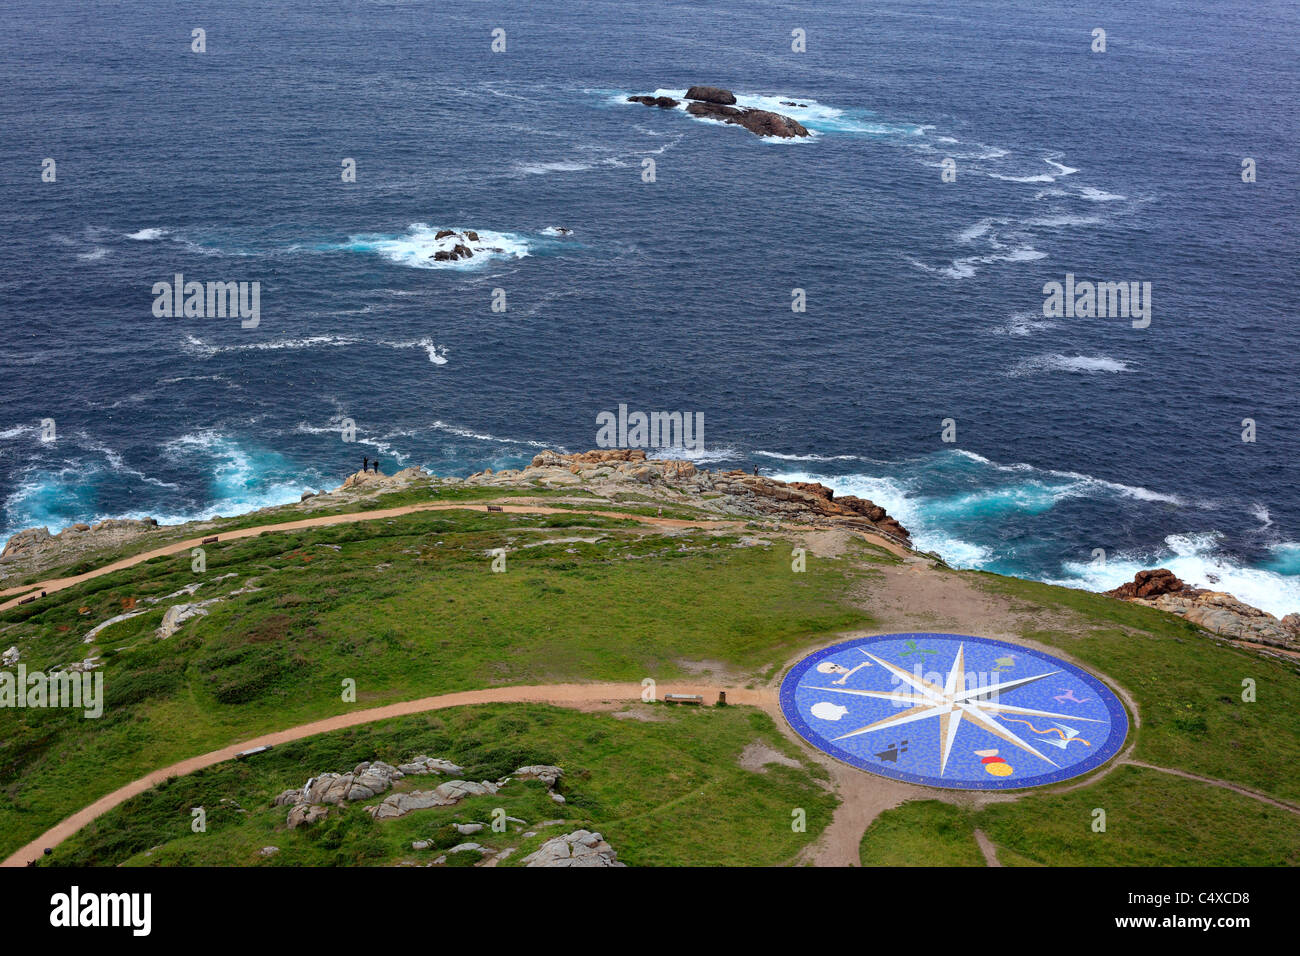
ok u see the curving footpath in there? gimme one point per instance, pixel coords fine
(562, 695)
(58, 584)
(571, 695)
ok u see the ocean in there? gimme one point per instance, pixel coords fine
(924, 298)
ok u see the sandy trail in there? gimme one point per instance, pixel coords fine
(1215, 782)
(987, 848)
(563, 695)
(863, 796)
(58, 584)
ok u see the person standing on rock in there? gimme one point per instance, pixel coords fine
(365, 462)
(376, 464)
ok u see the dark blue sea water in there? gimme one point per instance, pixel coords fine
(924, 298)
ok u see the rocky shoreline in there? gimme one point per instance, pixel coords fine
(1216, 611)
(609, 474)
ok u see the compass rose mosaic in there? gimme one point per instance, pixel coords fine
(953, 711)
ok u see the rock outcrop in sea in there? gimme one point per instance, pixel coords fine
(712, 102)
(454, 246)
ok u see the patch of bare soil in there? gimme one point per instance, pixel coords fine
(987, 848)
(707, 668)
(757, 755)
(863, 797)
(917, 596)
(828, 543)
(646, 713)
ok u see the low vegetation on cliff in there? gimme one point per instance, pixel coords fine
(603, 567)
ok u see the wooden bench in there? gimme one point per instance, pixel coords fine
(694, 700)
(494, 508)
(211, 540)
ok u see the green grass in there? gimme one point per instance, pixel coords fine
(663, 792)
(405, 607)
(1187, 684)
(922, 833)
(1152, 819)
(419, 492)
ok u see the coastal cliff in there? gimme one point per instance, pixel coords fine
(1216, 611)
(617, 475)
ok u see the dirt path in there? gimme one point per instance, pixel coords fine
(563, 695)
(987, 848)
(58, 584)
(1214, 782)
(863, 797)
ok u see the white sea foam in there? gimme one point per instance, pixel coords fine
(563, 166)
(974, 231)
(1087, 483)
(196, 346)
(1056, 362)
(1093, 194)
(783, 457)
(1061, 171)
(965, 267)
(115, 461)
(418, 245)
(931, 518)
(697, 455)
(148, 235)
(479, 436)
(1037, 178)
(437, 353)
(1198, 560)
(1022, 324)
(1061, 168)
(240, 479)
(335, 427)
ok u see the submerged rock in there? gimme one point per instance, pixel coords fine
(663, 102)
